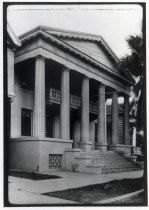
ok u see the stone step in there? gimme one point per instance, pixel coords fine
(109, 165)
(106, 157)
(117, 170)
(97, 162)
(99, 158)
(100, 152)
(100, 155)
(96, 170)
(110, 161)
(92, 170)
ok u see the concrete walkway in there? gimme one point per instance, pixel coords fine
(25, 191)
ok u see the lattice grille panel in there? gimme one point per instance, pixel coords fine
(55, 160)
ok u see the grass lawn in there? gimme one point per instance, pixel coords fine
(31, 175)
(92, 193)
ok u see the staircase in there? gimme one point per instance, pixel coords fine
(97, 162)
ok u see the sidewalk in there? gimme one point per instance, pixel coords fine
(25, 191)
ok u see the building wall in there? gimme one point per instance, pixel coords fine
(23, 99)
(24, 154)
(51, 146)
(10, 67)
(33, 154)
(16, 111)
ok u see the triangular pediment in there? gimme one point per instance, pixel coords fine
(88, 45)
(91, 47)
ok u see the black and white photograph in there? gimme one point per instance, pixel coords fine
(74, 104)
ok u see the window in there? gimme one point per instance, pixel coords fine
(26, 122)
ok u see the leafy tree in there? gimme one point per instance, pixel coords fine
(133, 63)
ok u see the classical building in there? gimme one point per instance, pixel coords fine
(60, 81)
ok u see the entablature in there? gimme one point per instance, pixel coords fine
(54, 52)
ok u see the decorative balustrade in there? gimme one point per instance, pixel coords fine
(75, 101)
(54, 96)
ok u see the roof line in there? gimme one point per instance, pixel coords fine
(13, 36)
(76, 51)
(78, 34)
(85, 35)
(109, 48)
(64, 31)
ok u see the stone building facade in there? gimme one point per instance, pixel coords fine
(60, 83)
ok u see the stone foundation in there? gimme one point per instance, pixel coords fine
(32, 154)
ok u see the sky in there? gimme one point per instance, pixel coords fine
(115, 23)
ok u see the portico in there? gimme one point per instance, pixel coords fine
(62, 94)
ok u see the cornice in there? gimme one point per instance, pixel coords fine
(40, 30)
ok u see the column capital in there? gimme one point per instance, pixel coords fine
(11, 98)
(64, 68)
(101, 89)
(102, 85)
(125, 93)
(40, 57)
(115, 93)
(86, 77)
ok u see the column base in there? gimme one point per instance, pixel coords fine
(93, 146)
(101, 146)
(75, 144)
(86, 146)
(121, 148)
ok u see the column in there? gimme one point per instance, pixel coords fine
(65, 106)
(101, 137)
(126, 121)
(39, 109)
(84, 143)
(10, 74)
(134, 137)
(115, 118)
